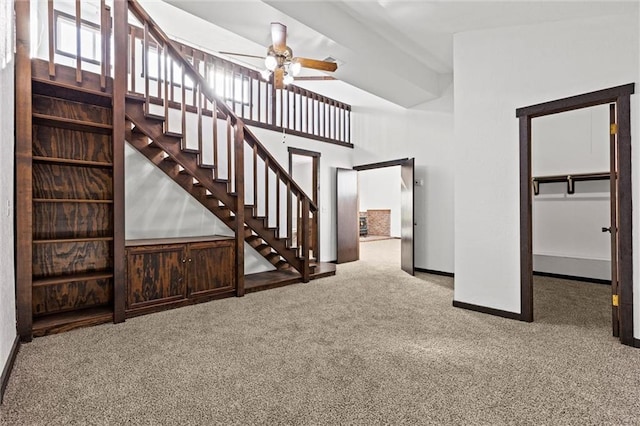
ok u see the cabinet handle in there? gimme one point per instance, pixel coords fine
(184, 260)
(189, 259)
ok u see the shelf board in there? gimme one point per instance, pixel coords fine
(70, 200)
(61, 279)
(72, 162)
(72, 124)
(72, 240)
(56, 323)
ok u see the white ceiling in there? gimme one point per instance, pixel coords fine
(399, 50)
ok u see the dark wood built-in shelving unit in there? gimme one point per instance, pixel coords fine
(73, 223)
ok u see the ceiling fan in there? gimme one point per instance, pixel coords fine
(282, 64)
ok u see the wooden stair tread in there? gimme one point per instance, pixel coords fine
(283, 277)
(154, 116)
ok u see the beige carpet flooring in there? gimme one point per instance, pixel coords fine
(369, 346)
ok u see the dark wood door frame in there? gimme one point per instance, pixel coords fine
(408, 262)
(315, 195)
(380, 165)
(621, 97)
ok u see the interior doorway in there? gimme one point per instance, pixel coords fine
(571, 218)
(349, 212)
(304, 167)
(379, 209)
(621, 196)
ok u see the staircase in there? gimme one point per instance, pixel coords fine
(168, 152)
(157, 99)
(180, 124)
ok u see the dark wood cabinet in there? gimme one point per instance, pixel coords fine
(171, 272)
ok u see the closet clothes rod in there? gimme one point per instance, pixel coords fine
(569, 178)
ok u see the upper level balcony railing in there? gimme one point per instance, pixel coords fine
(78, 34)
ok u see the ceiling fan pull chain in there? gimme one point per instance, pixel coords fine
(284, 135)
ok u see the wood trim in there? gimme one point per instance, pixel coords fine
(238, 170)
(305, 152)
(8, 367)
(526, 220)
(486, 310)
(572, 278)
(288, 131)
(380, 165)
(636, 343)
(120, 33)
(23, 175)
(625, 219)
(586, 100)
(435, 272)
(619, 95)
(315, 196)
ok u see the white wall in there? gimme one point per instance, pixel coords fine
(380, 189)
(302, 173)
(157, 207)
(495, 72)
(383, 132)
(7, 271)
(567, 235)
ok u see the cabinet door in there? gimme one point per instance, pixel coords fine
(155, 274)
(211, 267)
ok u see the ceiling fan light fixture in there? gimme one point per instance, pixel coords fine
(295, 68)
(265, 74)
(270, 62)
(288, 79)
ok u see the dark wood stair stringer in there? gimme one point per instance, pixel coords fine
(158, 143)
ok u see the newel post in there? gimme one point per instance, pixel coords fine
(120, 33)
(239, 189)
(306, 237)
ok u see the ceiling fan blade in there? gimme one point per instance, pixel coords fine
(279, 37)
(315, 78)
(241, 54)
(278, 78)
(317, 65)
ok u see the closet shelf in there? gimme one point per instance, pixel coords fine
(570, 179)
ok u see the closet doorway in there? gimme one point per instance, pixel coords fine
(616, 102)
(304, 167)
